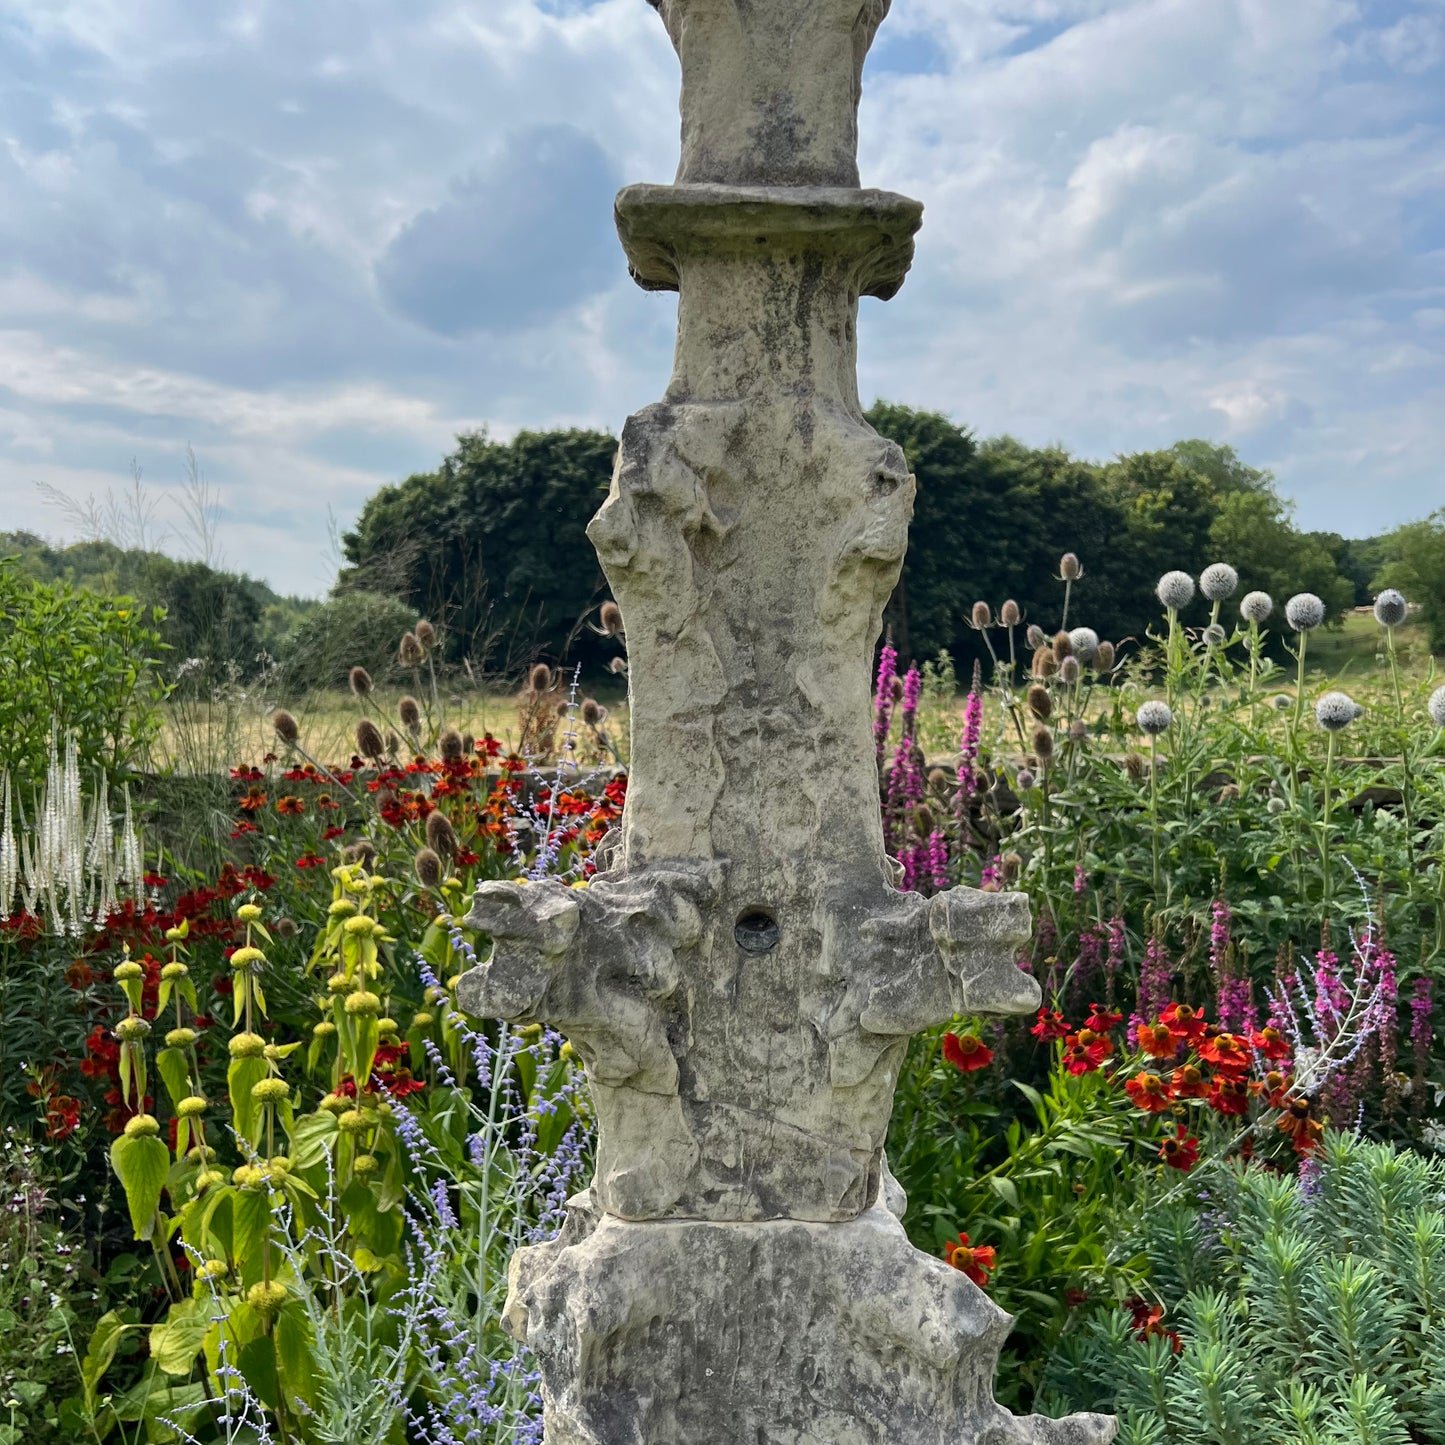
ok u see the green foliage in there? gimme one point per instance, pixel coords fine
(86, 662)
(1417, 567)
(218, 616)
(493, 544)
(356, 629)
(1317, 1318)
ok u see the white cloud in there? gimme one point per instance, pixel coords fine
(300, 237)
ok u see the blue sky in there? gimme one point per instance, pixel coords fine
(314, 241)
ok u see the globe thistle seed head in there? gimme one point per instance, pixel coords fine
(611, 618)
(540, 678)
(426, 635)
(428, 868)
(1256, 606)
(1175, 590)
(1069, 671)
(982, 617)
(1085, 643)
(1063, 645)
(1214, 635)
(450, 744)
(1436, 706)
(1040, 703)
(1282, 702)
(592, 712)
(440, 835)
(1069, 568)
(369, 742)
(1154, 717)
(1218, 581)
(286, 726)
(1104, 659)
(409, 711)
(1035, 636)
(1026, 779)
(1335, 711)
(1045, 664)
(409, 652)
(1275, 806)
(1391, 608)
(1304, 611)
(1043, 744)
(1008, 614)
(1135, 766)
(360, 680)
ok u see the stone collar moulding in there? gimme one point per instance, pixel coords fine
(742, 976)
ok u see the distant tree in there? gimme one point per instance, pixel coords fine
(356, 629)
(1417, 568)
(1221, 467)
(493, 545)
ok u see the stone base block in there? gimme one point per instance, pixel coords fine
(772, 1333)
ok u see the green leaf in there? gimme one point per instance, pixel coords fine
(176, 1340)
(242, 1075)
(311, 1137)
(250, 1222)
(172, 1066)
(257, 1364)
(141, 1164)
(294, 1351)
(109, 1330)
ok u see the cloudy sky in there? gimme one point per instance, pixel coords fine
(314, 239)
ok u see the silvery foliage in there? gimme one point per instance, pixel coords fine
(1256, 607)
(1085, 642)
(1437, 707)
(68, 863)
(1155, 717)
(1391, 608)
(1336, 711)
(1175, 590)
(1304, 611)
(1218, 581)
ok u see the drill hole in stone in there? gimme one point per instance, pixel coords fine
(756, 931)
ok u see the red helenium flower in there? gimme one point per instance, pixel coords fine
(1182, 1151)
(966, 1052)
(976, 1261)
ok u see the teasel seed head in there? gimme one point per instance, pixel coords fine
(592, 712)
(1069, 568)
(409, 711)
(1040, 703)
(540, 678)
(1043, 744)
(441, 837)
(409, 653)
(369, 742)
(611, 618)
(1045, 664)
(1104, 659)
(428, 868)
(938, 780)
(1035, 636)
(1008, 614)
(393, 743)
(617, 665)
(286, 726)
(469, 744)
(1063, 646)
(1135, 766)
(1010, 866)
(923, 820)
(982, 617)
(360, 681)
(1069, 671)
(450, 744)
(1026, 779)
(426, 634)
(363, 852)
(1078, 730)
(563, 707)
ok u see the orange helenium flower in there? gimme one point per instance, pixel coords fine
(1157, 1041)
(973, 1260)
(1148, 1093)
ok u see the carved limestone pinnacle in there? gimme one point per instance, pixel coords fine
(742, 976)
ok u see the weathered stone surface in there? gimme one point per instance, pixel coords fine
(779, 1333)
(770, 88)
(742, 976)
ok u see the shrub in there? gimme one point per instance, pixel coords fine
(1302, 1309)
(354, 629)
(82, 662)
